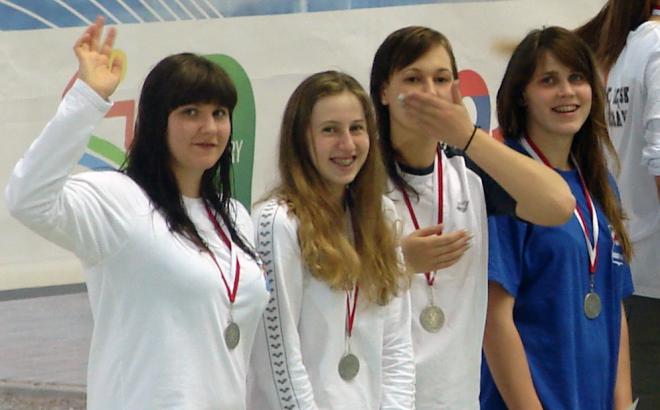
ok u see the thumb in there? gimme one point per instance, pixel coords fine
(456, 96)
(428, 231)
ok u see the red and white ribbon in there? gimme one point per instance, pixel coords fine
(430, 276)
(592, 243)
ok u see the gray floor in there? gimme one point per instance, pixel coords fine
(44, 343)
(45, 340)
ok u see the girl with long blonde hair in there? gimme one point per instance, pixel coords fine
(336, 333)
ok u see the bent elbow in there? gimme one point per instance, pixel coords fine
(18, 210)
(562, 209)
(555, 210)
(12, 202)
(21, 205)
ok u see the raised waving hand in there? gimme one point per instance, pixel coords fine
(95, 67)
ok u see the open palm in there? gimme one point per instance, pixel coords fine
(94, 65)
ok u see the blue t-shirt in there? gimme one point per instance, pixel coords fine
(572, 359)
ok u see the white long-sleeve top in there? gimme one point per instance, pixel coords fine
(633, 94)
(448, 363)
(300, 339)
(158, 303)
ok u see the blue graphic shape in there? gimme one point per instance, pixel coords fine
(13, 20)
(209, 10)
(95, 163)
(117, 10)
(125, 12)
(328, 5)
(177, 10)
(482, 104)
(256, 8)
(138, 8)
(84, 8)
(193, 10)
(51, 11)
(163, 13)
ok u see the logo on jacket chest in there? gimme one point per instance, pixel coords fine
(462, 206)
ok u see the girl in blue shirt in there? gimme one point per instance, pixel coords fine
(556, 336)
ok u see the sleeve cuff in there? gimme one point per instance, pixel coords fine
(80, 89)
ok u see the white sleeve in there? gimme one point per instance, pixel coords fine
(398, 362)
(73, 212)
(651, 150)
(284, 379)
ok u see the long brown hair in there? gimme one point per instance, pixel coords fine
(400, 49)
(326, 249)
(607, 31)
(590, 142)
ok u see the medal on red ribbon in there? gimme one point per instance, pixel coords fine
(232, 333)
(432, 317)
(592, 305)
(349, 364)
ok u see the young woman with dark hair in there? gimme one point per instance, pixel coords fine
(443, 197)
(190, 79)
(556, 336)
(174, 286)
(626, 37)
(336, 333)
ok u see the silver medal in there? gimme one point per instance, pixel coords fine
(349, 366)
(592, 305)
(432, 318)
(232, 335)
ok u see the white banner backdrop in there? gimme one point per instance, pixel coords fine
(275, 51)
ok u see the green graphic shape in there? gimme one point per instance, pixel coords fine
(107, 149)
(243, 124)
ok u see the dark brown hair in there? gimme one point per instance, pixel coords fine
(400, 49)
(590, 142)
(178, 80)
(606, 33)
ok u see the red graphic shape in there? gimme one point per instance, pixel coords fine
(471, 84)
(125, 108)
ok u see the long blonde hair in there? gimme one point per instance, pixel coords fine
(327, 251)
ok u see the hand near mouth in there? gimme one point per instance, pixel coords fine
(445, 120)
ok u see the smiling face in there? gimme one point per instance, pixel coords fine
(339, 141)
(197, 135)
(431, 73)
(557, 99)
